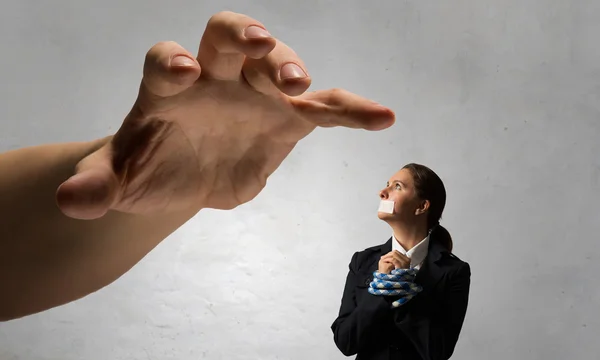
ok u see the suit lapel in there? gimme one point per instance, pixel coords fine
(383, 249)
(431, 273)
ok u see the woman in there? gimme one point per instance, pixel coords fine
(406, 299)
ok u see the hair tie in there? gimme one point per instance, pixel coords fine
(434, 226)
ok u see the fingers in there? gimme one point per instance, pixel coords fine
(169, 69)
(392, 264)
(397, 263)
(279, 71)
(397, 255)
(385, 267)
(228, 38)
(92, 190)
(399, 260)
(337, 107)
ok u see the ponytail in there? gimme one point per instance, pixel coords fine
(429, 186)
(442, 236)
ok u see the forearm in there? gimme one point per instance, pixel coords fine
(48, 259)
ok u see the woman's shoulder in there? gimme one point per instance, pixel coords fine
(376, 249)
(455, 259)
(361, 257)
(456, 265)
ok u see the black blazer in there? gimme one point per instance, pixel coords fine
(425, 328)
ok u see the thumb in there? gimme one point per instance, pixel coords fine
(91, 192)
(169, 69)
(337, 107)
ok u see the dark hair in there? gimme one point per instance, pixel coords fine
(429, 186)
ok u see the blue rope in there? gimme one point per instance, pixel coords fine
(400, 282)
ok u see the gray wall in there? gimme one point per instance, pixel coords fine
(500, 97)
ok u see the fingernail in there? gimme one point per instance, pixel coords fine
(291, 71)
(182, 61)
(256, 32)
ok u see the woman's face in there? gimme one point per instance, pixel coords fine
(400, 189)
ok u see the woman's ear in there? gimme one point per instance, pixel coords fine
(423, 207)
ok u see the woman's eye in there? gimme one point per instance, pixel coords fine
(397, 186)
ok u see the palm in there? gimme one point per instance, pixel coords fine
(216, 139)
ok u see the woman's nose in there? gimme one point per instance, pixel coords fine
(383, 195)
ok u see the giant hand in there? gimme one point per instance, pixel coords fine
(208, 131)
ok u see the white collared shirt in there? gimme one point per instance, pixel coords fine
(416, 255)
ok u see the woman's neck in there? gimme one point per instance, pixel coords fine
(409, 237)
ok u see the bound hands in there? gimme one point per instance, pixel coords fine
(393, 260)
(207, 131)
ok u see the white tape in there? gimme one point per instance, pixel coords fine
(386, 206)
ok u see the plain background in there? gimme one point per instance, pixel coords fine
(500, 97)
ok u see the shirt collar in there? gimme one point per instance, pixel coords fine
(417, 254)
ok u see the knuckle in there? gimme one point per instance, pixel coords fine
(283, 47)
(335, 94)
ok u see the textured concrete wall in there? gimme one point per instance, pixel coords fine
(500, 97)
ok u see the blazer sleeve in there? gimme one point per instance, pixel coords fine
(436, 338)
(357, 325)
